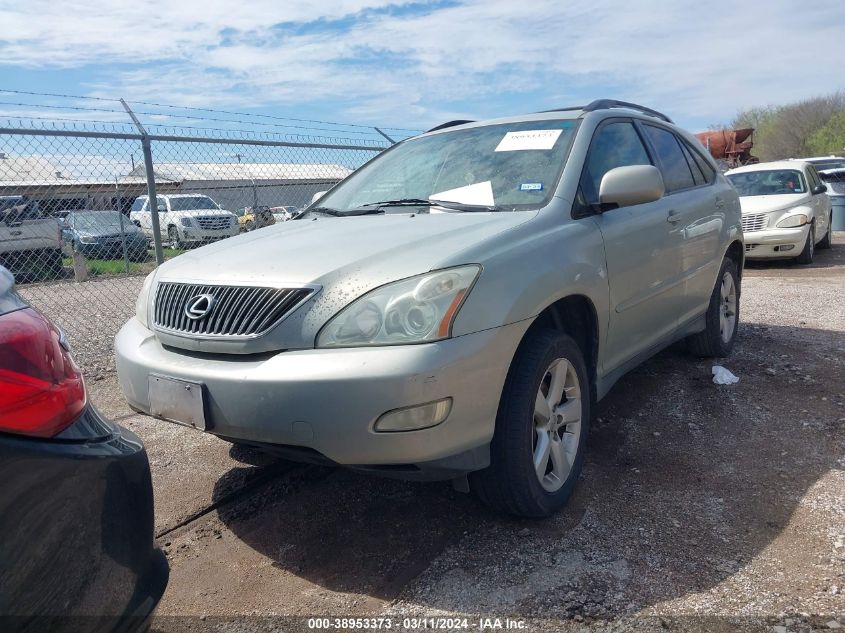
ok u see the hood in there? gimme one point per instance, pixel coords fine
(108, 230)
(371, 249)
(767, 204)
(346, 257)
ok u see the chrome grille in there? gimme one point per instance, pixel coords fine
(235, 310)
(754, 222)
(213, 222)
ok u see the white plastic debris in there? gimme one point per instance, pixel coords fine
(722, 376)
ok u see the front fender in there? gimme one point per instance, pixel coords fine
(535, 267)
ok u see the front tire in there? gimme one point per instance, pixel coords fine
(55, 264)
(806, 255)
(722, 316)
(173, 237)
(827, 239)
(541, 429)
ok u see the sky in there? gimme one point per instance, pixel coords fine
(416, 64)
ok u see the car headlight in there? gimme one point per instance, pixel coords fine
(413, 310)
(87, 239)
(143, 300)
(186, 221)
(792, 221)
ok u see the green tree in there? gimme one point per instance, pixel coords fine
(830, 138)
(785, 131)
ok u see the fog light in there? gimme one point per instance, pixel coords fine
(421, 416)
(785, 247)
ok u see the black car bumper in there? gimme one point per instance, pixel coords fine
(113, 250)
(76, 531)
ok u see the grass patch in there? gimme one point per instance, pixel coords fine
(98, 267)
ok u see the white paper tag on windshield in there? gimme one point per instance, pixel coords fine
(528, 139)
(479, 193)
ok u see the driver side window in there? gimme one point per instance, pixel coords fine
(616, 144)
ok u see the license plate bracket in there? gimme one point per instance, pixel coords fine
(177, 400)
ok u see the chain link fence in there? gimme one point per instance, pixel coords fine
(83, 218)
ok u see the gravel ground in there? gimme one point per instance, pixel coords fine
(91, 313)
(702, 507)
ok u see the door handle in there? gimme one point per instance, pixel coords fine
(673, 217)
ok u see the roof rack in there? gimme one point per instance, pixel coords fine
(448, 124)
(604, 104)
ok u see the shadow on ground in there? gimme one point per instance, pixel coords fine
(685, 484)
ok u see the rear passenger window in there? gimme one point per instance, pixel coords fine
(673, 165)
(697, 175)
(703, 165)
(615, 145)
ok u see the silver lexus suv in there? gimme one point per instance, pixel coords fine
(455, 307)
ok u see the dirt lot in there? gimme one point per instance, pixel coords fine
(701, 507)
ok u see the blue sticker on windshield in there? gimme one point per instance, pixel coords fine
(531, 186)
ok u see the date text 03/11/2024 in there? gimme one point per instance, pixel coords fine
(414, 624)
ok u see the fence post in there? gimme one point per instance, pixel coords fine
(122, 230)
(151, 183)
(392, 142)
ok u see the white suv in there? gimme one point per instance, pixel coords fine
(786, 212)
(185, 218)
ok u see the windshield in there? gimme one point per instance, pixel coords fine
(512, 166)
(97, 219)
(835, 181)
(770, 182)
(10, 202)
(828, 163)
(192, 203)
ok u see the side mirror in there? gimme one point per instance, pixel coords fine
(317, 196)
(819, 189)
(162, 206)
(631, 185)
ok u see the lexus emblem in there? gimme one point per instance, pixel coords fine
(199, 306)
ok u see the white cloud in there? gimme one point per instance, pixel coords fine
(697, 61)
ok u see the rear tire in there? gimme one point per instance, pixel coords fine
(55, 264)
(806, 255)
(535, 425)
(828, 237)
(722, 316)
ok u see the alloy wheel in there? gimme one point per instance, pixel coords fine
(557, 424)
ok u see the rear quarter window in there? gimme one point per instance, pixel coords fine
(673, 165)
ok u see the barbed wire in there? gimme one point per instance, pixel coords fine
(181, 116)
(187, 131)
(191, 108)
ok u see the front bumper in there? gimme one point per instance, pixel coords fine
(770, 243)
(327, 400)
(195, 234)
(112, 250)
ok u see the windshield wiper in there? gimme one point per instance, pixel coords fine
(419, 202)
(323, 210)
